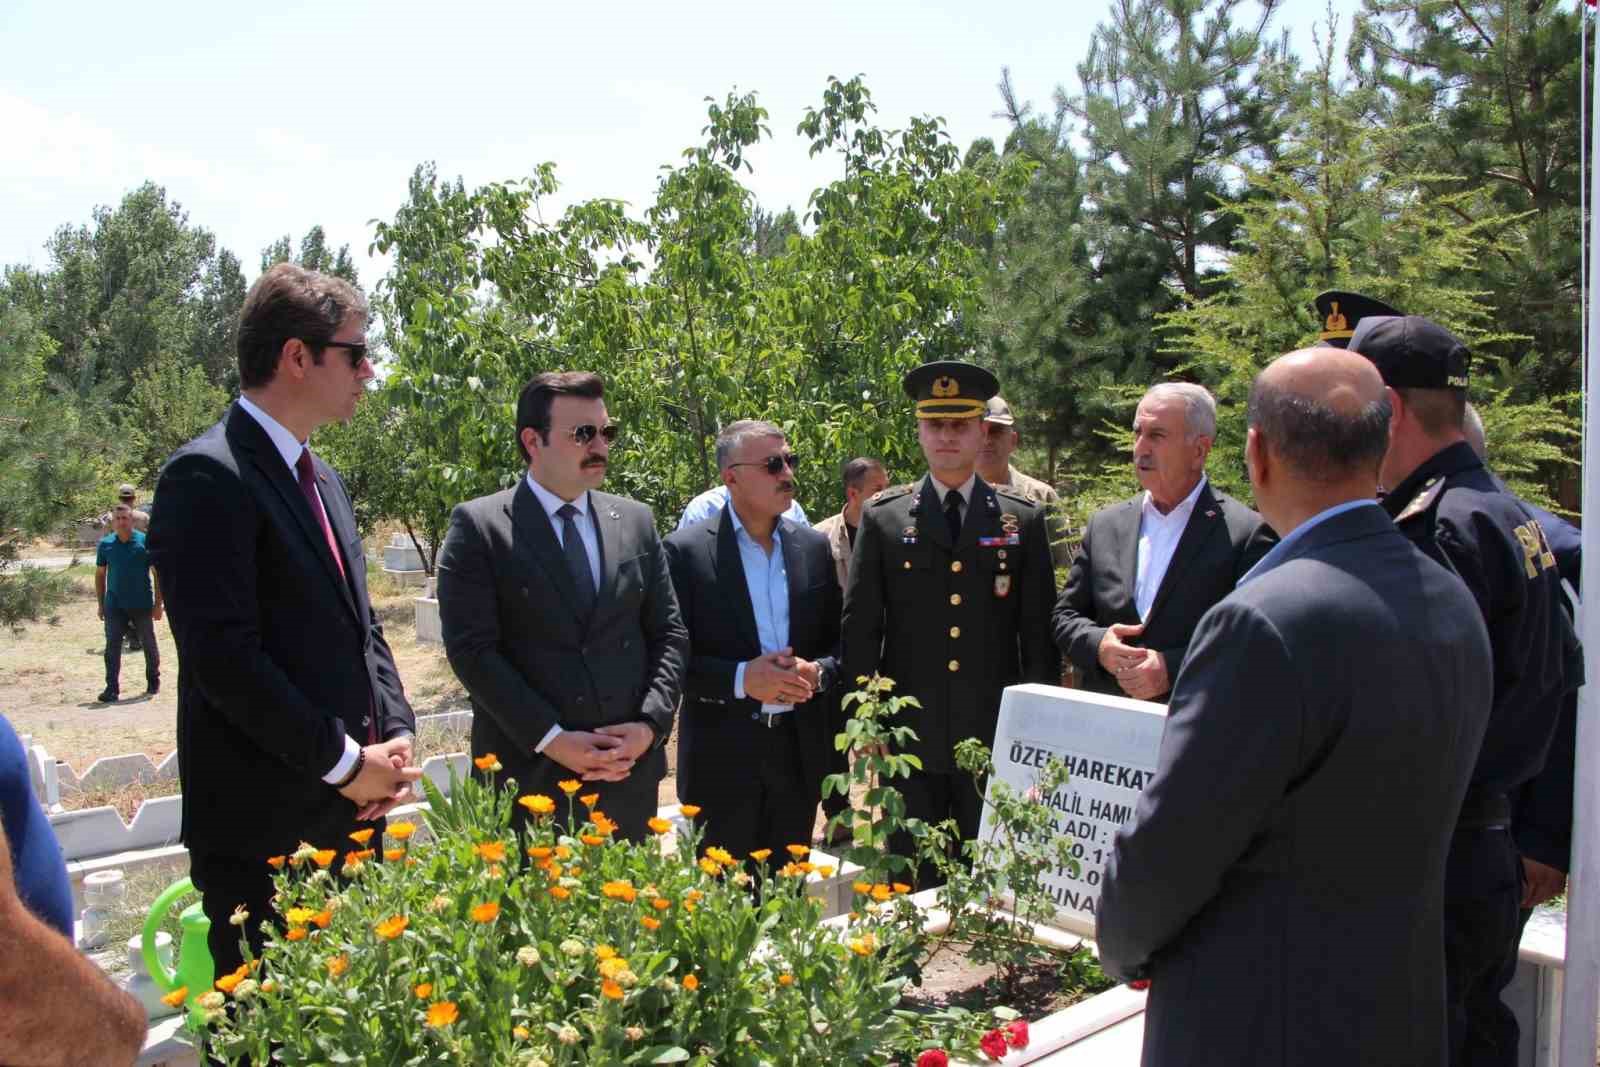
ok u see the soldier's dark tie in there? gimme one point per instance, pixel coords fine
(952, 514)
(577, 559)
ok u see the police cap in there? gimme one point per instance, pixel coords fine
(1340, 312)
(1412, 352)
(950, 389)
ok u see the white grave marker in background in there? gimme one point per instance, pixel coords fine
(1109, 745)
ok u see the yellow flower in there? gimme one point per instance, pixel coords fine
(786, 980)
(689, 810)
(611, 989)
(881, 893)
(622, 891)
(492, 851)
(392, 927)
(176, 998)
(539, 852)
(710, 866)
(693, 896)
(559, 892)
(392, 854)
(275, 862)
(402, 830)
(574, 870)
(325, 857)
(591, 839)
(604, 952)
(569, 787)
(361, 837)
(537, 804)
(423, 990)
(612, 967)
(337, 965)
(590, 800)
(485, 912)
(799, 852)
(825, 871)
(691, 983)
(520, 1033)
(649, 922)
(299, 916)
(657, 824)
(661, 904)
(563, 853)
(487, 762)
(442, 1014)
(861, 887)
(760, 855)
(296, 933)
(721, 855)
(864, 945)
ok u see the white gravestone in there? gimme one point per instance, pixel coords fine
(1109, 746)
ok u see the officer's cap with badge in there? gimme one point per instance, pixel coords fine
(1341, 312)
(950, 389)
(1412, 352)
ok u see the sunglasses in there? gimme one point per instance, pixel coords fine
(773, 464)
(588, 431)
(356, 350)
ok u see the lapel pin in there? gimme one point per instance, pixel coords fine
(1211, 514)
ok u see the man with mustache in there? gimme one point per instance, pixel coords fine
(761, 603)
(559, 617)
(1150, 566)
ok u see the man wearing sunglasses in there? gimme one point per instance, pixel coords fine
(762, 606)
(558, 613)
(950, 595)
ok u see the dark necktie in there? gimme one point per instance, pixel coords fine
(307, 477)
(952, 514)
(577, 559)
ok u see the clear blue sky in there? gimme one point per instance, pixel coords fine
(266, 120)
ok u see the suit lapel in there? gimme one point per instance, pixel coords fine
(1203, 521)
(728, 567)
(343, 523)
(608, 532)
(794, 568)
(983, 513)
(537, 538)
(1129, 520)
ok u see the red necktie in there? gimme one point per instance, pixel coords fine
(307, 478)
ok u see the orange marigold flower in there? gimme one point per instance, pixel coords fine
(552, 868)
(622, 891)
(485, 912)
(402, 830)
(591, 839)
(337, 965)
(176, 998)
(691, 983)
(689, 811)
(276, 862)
(861, 887)
(721, 855)
(423, 990)
(563, 852)
(602, 825)
(486, 761)
(760, 855)
(864, 945)
(786, 980)
(604, 952)
(322, 918)
(611, 989)
(693, 896)
(537, 804)
(442, 1014)
(661, 904)
(901, 887)
(612, 967)
(569, 786)
(590, 800)
(392, 927)
(228, 981)
(393, 854)
(325, 857)
(559, 892)
(492, 851)
(649, 922)
(799, 852)
(574, 870)
(539, 852)
(881, 893)
(520, 1033)
(825, 871)
(296, 933)
(656, 823)
(710, 866)
(361, 837)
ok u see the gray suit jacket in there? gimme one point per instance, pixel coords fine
(529, 663)
(1281, 882)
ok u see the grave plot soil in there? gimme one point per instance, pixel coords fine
(953, 981)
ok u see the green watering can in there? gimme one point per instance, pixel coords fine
(195, 969)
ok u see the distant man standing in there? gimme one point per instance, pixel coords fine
(141, 521)
(949, 595)
(558, 613)
(1149, 567)
(1451, 507)
(124, 598)
(1280, 883)
(1000, 440)
(761, 605)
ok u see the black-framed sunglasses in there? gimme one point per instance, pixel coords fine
(356, 350)
(588, 431)
(773, 464)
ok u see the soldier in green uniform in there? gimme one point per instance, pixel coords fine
(950, 592)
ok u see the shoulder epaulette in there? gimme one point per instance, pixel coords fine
(894, 492)
(1422, 501)
(1011, 492)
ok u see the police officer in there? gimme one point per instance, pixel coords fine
(1453, 509)
(950, 592)
(1341, 312)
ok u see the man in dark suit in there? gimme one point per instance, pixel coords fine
(761, 603)
(1149, 567)
(558, 615)
(949, 595)
(292, 723)
(1280, 883)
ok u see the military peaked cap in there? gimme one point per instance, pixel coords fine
(1340, 312)
(950, 389)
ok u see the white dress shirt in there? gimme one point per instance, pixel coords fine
(584, 521)
(1158, 540)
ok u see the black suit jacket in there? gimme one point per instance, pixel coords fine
(1222, 540)
(529, 662)
(1282, 880)
(715, 600)
(279, 659)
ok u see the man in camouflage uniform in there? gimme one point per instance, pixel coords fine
(994, 466)
(950, 594)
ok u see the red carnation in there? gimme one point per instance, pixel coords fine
(1139, 983)
(933, 1057)
(1017, 1033)
(993, 1044)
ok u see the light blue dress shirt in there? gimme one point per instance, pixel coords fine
(768, 581)
(715, 499)
(1280, 550)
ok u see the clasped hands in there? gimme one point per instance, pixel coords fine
(384, 779)
(1141, 672)
(781, 677)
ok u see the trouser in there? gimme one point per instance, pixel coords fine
(766, 803)
(934, 798)
(1482, 895)
(118, 621)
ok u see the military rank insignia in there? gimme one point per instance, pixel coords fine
(1002, 585)
(995, 542)
(908, 536)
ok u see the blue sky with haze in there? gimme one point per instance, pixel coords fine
(266, 119)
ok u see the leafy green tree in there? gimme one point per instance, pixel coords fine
(172, 400)
(314, 254)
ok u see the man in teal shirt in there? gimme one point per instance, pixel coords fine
(123, 590)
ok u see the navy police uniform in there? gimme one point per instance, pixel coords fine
(1456, 512)
(952, 622)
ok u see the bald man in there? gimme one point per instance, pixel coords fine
(1281, 882)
